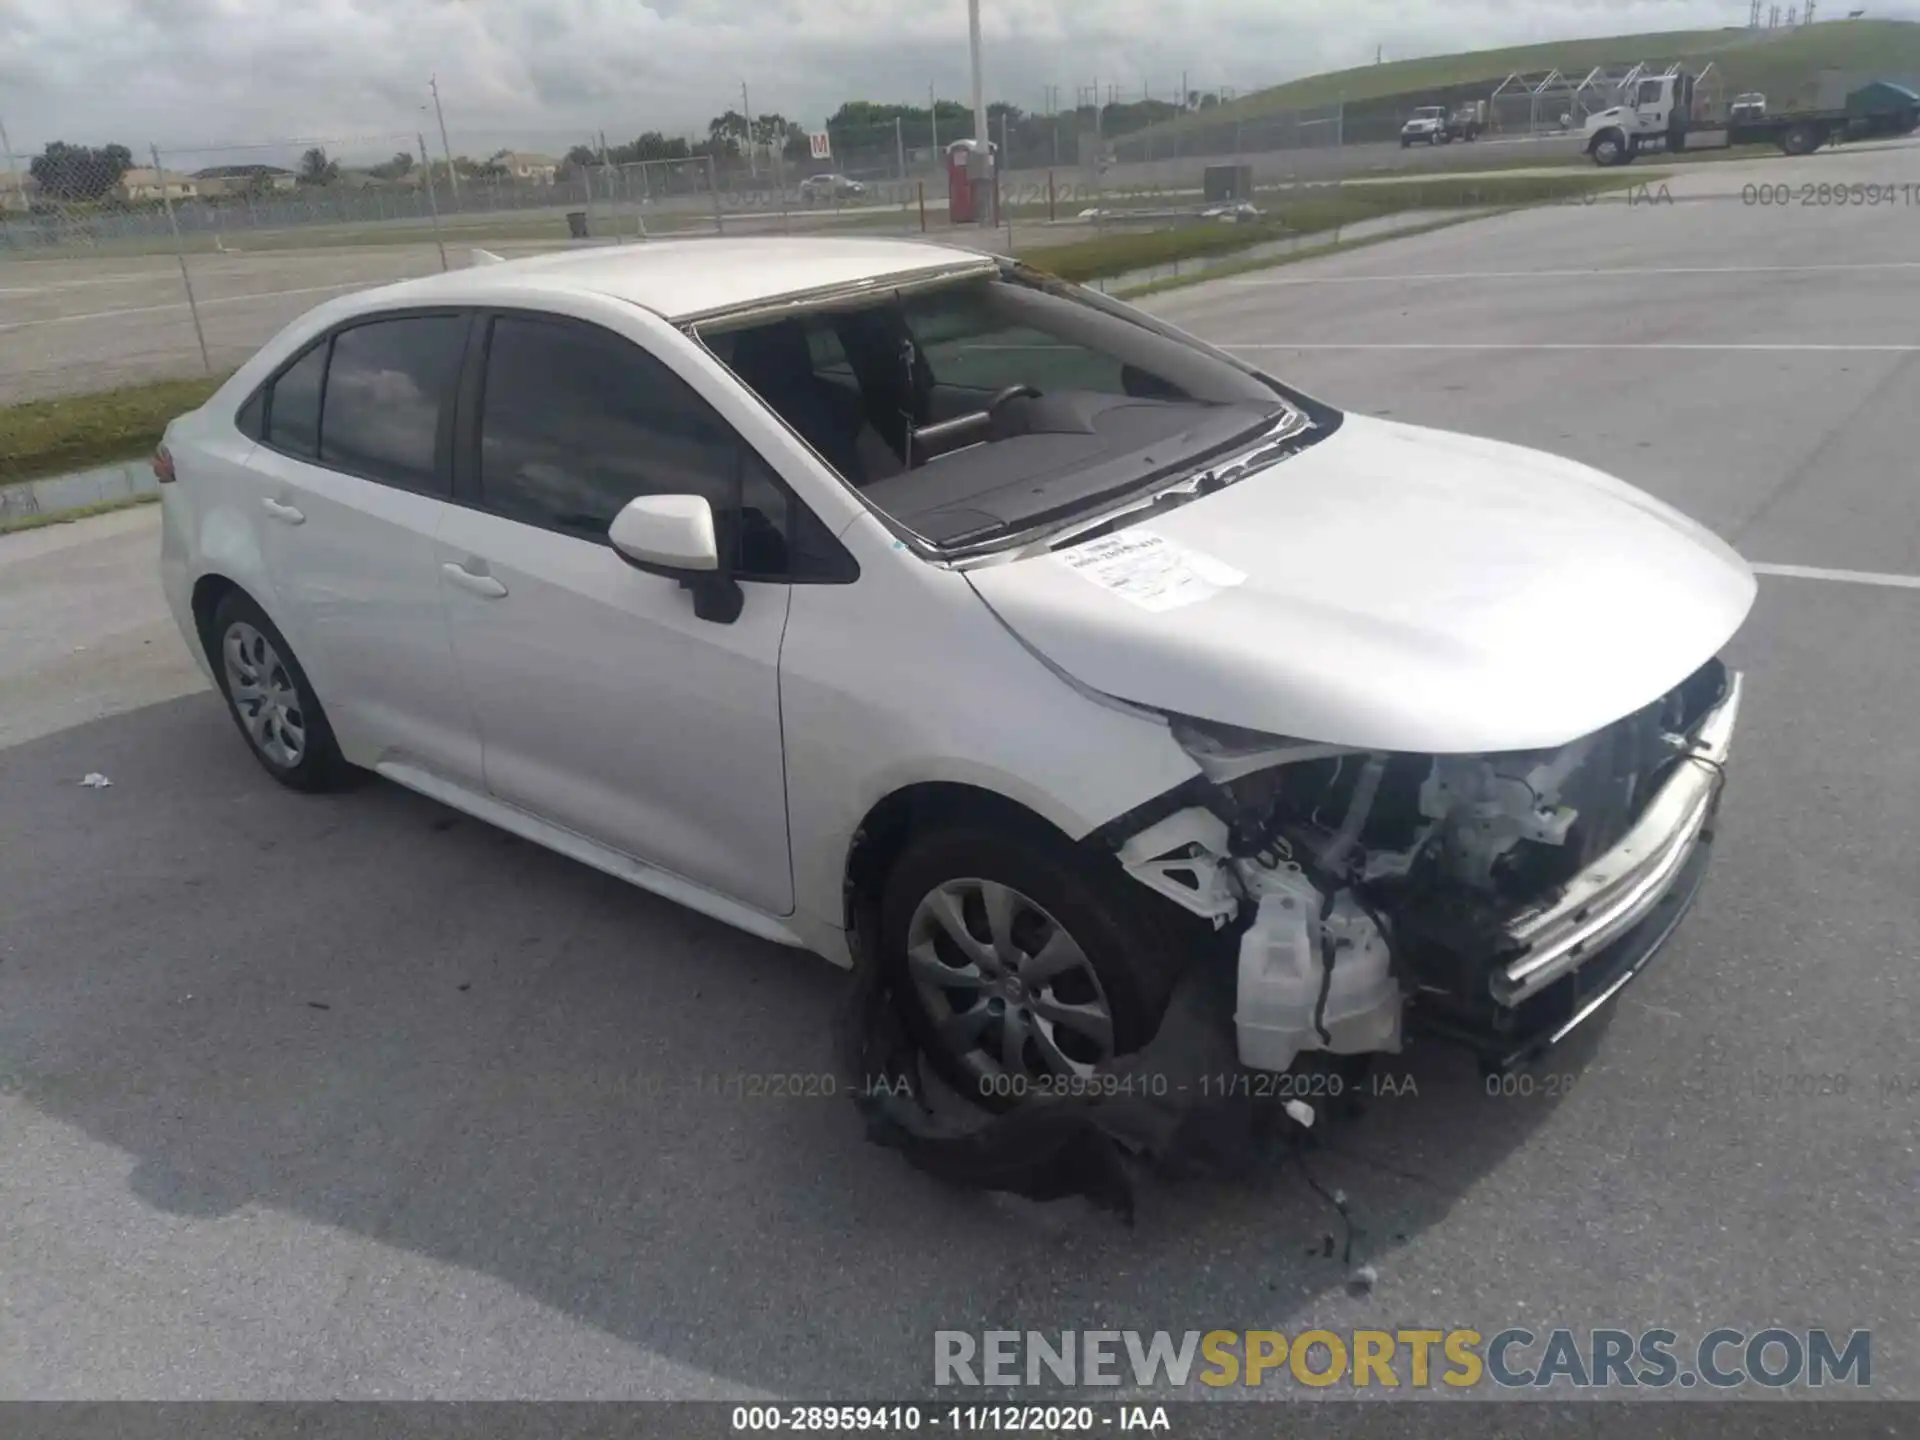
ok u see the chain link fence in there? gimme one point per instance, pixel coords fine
(182, 262)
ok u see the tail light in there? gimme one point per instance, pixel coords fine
(163, 465)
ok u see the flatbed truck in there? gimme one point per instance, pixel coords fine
(1660, 117)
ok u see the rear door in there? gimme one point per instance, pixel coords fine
(355, 470)
(605, 704)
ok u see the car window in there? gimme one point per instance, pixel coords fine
(293, 419)
(387, 385)
(576, 421)
(976, 347)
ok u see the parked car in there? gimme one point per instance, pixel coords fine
(830, 187)
(1428, 124)
(771, 576)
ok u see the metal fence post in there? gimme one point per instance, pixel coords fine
(180, 252)
(433, 204)
(713, 187)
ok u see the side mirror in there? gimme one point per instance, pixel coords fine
(674, 536)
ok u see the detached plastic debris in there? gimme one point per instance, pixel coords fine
(1173, 1116)
(1362, 1281)
(94, 780)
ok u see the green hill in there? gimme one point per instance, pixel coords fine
(1779, 62)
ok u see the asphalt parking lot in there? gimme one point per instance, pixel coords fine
(353, 1097)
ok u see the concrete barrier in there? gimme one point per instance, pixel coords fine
(56, 494)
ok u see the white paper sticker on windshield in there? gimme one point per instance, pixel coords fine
(1149, 569)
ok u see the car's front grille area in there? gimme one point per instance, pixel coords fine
(1629, 876)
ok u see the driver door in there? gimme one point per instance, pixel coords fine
(605, 705)
(1650, 106)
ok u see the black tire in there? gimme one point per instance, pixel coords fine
(1802, 139)
(1609, 148)
(320, 766)
(1134, 945)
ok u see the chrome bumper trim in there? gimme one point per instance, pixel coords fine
(1617, 891)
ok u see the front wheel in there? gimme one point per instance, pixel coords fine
(1022, 962)
(1609, 148)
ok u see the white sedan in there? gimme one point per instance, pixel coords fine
(901, 604)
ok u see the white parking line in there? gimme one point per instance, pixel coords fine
(1845, 577)
(1762, 346)
(1591, 272)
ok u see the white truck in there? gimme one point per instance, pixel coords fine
(1660, 115)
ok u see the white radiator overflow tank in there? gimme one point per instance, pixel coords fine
(1281, 965)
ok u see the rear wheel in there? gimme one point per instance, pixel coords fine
(1021, 962)
(270, 698)
(1802, 139)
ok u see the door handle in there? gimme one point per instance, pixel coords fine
(286, 514)
(479, 584)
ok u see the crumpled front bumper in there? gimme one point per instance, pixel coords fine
(1620, 889)
(1565, 959)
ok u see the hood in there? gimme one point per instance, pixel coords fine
(1391, 588)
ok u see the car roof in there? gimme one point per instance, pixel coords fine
(685, 279)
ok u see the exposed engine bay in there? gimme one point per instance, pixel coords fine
(1495, 901)
(1365, 882)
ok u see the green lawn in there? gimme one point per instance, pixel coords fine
(1318, 210)
(49, 437)
(1779, 62)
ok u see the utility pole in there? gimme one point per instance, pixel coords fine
(13, 170)
(1378, 52)
(453, 179)
(746, 109)
(981, 133)
(933, 118)
(899, 147)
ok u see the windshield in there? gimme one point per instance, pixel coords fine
(992, 402)
(1429, 112)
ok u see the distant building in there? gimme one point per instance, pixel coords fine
(240, 179)
(141, 183)
(18, 189)
(530, 169)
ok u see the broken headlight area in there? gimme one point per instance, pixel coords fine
(1494, 900)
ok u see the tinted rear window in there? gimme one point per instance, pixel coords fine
(386, 389)
(293, 419)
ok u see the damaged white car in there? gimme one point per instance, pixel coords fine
(902, 604)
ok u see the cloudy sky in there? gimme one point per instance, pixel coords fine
(542, 74)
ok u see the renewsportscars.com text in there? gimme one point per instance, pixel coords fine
(1512, 1359)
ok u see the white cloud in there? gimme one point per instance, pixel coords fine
(546, 73)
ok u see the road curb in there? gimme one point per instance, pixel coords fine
(58, 494)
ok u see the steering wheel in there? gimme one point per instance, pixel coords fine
(1010, 392)
(926, 441)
